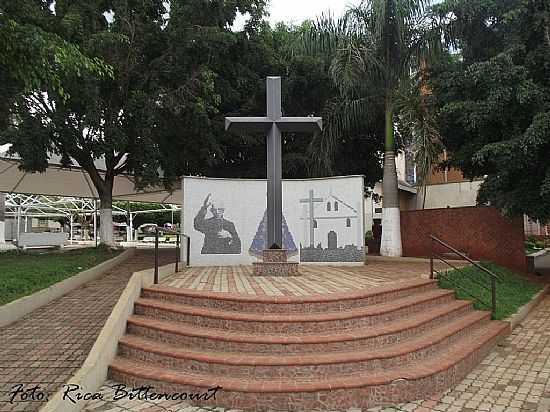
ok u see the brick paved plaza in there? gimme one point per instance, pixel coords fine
(47, 346)
(313, 279)
(515, 377)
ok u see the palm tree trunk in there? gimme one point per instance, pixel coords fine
(391, 218)
(424, 197)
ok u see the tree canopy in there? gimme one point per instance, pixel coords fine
(493, 99)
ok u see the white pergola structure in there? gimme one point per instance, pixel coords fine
(23, 206)
(73, 183)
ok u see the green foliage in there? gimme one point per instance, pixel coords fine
(534, 244)
(24, 273)
(158, 115)
(33, 57)
(494, 101)
(149, 94)
(512, 292)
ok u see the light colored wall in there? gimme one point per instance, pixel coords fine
(439, 196)
(400, 165)
(450, 195)
(50, 224)
(11, 227)
(245, 205)
(407, 201)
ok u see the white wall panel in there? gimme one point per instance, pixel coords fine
(237, 237)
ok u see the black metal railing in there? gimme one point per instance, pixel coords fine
(158, 231)
(493, 278)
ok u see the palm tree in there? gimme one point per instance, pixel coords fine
(374, 49)
(416, 120)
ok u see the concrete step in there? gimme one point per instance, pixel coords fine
(323, 364)
(385, 333)
(289, 304)
(288, 323)
(364, 389)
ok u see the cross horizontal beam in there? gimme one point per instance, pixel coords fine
(264, 124)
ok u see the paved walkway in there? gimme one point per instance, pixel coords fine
(47, 346)
(515, 377)
(312, 279)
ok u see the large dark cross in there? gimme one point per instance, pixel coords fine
(273, 125)
(311, 202)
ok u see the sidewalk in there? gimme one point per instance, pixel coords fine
(47, 346)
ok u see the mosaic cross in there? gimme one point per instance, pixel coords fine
(311, 202)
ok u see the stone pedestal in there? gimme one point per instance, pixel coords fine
(275, 264)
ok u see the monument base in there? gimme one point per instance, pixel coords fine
(275, 264)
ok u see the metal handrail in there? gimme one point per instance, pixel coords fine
(178, 235)
(493, 277)
(463, 256)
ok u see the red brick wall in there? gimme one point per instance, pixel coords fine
(482, 232)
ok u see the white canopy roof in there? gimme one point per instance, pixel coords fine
(75, 182)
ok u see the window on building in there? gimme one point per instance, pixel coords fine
(336, 206)
(328, 206)
(314, 223)
(348, 222)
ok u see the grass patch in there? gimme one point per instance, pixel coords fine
(513, 291)
(23, 273)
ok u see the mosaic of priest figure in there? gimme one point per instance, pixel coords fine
(220, 235)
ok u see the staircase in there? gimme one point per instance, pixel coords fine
(358, 349)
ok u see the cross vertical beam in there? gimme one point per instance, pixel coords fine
(274, 189)
(274, 166)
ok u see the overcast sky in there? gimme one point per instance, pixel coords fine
(296, 11)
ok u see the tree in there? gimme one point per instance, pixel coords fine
(160, 100)
(376, 47)
(101, 124)
(494, 100)
(417, 122)
(308, 89)
(33, 57)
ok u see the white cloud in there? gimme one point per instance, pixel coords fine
(296, 11)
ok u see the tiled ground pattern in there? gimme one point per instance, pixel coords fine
(515, 377)
(47, 346)
(312, 279)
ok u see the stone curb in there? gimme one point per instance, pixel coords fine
(93, 373)
(13, 311)
(517, 318)
(405, 259)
